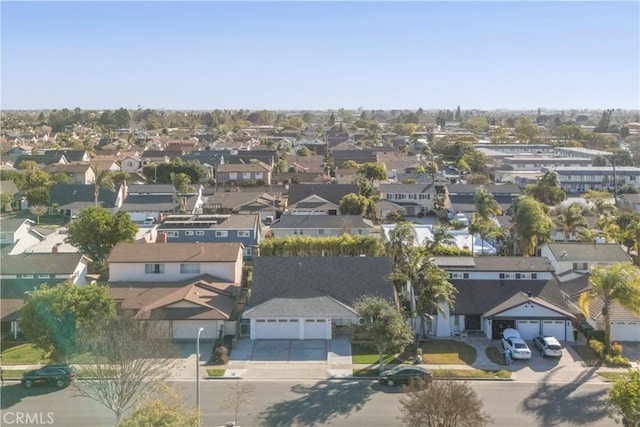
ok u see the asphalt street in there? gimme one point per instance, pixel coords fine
(321, 403)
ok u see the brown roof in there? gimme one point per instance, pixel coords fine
(175, 252)
(71, 167)
(42, 263)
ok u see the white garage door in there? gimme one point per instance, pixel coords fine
(625, 331)
(554, 328)
(188, 329)
(315, 329)
(528, 328)
(277, 329)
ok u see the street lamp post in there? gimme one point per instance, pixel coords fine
(198, 373)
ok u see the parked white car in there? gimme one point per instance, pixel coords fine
(512, 341)
(548, 346)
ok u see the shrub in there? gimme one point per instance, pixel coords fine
(220, 355)
(594, 334)
(617, 360)
(597, 347)
(616, 349)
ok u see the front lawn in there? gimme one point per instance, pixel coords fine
(495, 355)
(23, 354)
(613, 376)
(367, 355)
(447, 352)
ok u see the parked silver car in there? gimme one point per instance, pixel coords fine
(548, 346)
(511, 341)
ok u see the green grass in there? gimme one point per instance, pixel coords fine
(448, 352)
(495, 355)
(588, 356)
(613, 376)
(368, 355)
(23, 354)
(212, 372)
(443, 373)
(13, 373)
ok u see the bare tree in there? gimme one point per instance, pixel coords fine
(442, 404)
(127, 359)
(239, 395)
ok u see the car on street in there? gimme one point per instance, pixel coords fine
(401, 375)
(512, 341)
(59, 375)
(548, 346)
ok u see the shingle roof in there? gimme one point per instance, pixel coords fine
(466, 202)
(493, 189)
(302, 284)
(175, 252)
(345, 222)
(522, 298)
(495, 263)
(589, 252)
(7, 186)
(12, 224)
(66, 194)
(72, 167)
(405, 188)
(247, 167)
(41, 263)
(330, 192)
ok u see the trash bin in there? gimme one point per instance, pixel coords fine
(575, 335)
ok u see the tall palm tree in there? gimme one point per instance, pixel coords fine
(103, 180)
(486, 204)
(401, 239)
(569, 218)
(615, 283)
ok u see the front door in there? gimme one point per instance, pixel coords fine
(472, 322)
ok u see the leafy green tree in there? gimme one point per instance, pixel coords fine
(611, 284)
(354, 204)
(5, 202)
(103, 180)
(382, 326)
(350, 164)
(531, 224)
(526, 131)
(60, 178)
(52, 317)
(401, 241)
(547, 190)
(167, 409)
(373, 172)
(569, 218)
(444, 403)
(96, 231)
(623, 399)
(39, 196)
(35, 178)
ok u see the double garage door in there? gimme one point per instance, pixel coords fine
(529, 329)
(292, 329)
(188, 329)
(625, 331)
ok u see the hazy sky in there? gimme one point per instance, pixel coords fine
(320, 55)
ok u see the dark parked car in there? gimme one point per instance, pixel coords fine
(404, 375)
(58, 375)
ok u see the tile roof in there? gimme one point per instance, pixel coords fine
(41, 263)
(297, 283)
(175, 252)
(588, 252)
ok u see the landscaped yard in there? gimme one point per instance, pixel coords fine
(588, 356)
(368, 355)
(23, 354)
(448, 352)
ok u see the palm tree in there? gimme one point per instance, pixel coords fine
(611, 284)
(181, 184)
(401, 239)
(569, 218)
(103, 179)
(486, 205)
(440, 235)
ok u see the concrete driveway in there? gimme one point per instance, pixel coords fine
(185, 364)
(631, 350)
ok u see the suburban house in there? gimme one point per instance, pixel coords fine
(316, 296)
(385, 207)
(70, 198)
(132, 164)
(416, 199)
(317, 199)
(630, 202)
(25, 272)
(18, 234)
(236, 174)
(495, 293)
(182, 286)
(41, 159)
(461, 196)
(244, 202)
(245, 229)
(150, 200)
(573, 259)
(537, 163)
(321, 225)
(9, 187)
(79, 172)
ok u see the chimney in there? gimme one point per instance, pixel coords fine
(529, 294)
(54, 249)
(162, 238)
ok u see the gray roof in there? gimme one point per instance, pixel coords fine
(81, 194)
(345, 222)
(316, 286)
(522, 298)
(589, 252)
(467, 203)
(7, 186)
(491, 189)
(330, 192)
(494, 263)
(12, 224)
(41, 263)
(405, 188)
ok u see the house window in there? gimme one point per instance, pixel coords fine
(189, 268)
(247, 251)
(26, 276)
(44, 276)
(321, 231)
(188, 233)
(244, 233)
(199, 233)
(233, 175)
(534, 275)
(154, 269)
(258, 175)
(246, 175)
(172, 233)
(422, 196)
(222, 233)
(580, 266)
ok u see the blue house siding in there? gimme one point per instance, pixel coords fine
(246, 237)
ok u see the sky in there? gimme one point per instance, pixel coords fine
(320, 55)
